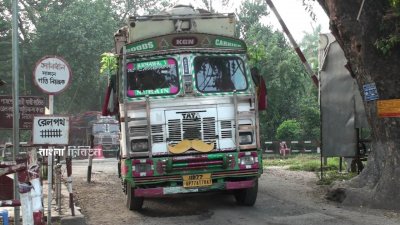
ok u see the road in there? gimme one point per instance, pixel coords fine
(284, 198)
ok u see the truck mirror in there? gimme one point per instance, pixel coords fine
(261, 88)
(113, 85)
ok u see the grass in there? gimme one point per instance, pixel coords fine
(302, 162)
(311, 163)
(331, 176)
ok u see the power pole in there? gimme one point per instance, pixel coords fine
(15, 90)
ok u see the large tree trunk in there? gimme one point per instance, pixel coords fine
(379, 183)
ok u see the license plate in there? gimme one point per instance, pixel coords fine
(198, 180)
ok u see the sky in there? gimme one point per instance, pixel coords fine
(293, 13)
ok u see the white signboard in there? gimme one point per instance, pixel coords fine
(52, 74)
(50, 130)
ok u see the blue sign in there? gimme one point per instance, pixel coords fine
(370, 92)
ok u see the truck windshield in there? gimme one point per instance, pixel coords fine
(219, 74)
(155, 77)
(105, 128)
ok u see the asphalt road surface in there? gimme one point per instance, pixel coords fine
(284, 198)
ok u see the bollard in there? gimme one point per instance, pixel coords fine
(89, 172)
(49, 184)
(69, 184)
(58, 187)
(4, 216)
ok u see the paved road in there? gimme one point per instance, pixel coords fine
(284, 198)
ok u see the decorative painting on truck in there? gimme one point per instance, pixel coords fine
(175, 41)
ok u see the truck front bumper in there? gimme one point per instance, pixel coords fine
(162, 191)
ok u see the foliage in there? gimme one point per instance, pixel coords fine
(88, 27)
(310, 119)
(395, 4)
(290, 91)
(108, 64)
(249, 15)
(289, 130)
(390, 29)
(309, 46)
(5, 56)
(309, 9)
(385, 45)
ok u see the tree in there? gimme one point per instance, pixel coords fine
(5, 56)
(289, 88)
(81, 33)
(370, 46)
(289, 130)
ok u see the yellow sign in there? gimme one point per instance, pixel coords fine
(389, 108)
(197, 180)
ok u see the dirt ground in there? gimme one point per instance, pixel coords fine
(284, 197)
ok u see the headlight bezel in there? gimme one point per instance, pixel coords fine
(247, 160)
(139, 145)
(246, 138)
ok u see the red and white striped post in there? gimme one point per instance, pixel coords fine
(294, 44)
(37, 191)
(24, 189)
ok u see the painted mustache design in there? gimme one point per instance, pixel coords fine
(185, 145)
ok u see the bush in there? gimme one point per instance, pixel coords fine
(289, 130)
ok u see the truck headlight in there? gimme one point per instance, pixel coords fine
(245, 138)
(247, 160)
(139, 145)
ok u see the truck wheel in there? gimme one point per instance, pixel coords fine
(247, 196)
(132, 202)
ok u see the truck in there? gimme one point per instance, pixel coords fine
(105, 135)
(188, 106)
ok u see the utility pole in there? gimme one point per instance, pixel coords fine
(15, 68)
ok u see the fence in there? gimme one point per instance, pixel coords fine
(275, 147)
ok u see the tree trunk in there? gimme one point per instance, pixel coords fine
(379, 183)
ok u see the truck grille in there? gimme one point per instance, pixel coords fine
(202, 128)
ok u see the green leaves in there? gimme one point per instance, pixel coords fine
(289, 130)
(291, 95)
(108, 64)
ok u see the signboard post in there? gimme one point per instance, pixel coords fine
(50, 130)
(52, 75)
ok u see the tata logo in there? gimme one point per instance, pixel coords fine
(191, 116)
(184, 41)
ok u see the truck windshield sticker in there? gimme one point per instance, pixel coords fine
(219, 74)
(155, 77)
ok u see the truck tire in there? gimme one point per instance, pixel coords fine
(248, 196)
(132, 202)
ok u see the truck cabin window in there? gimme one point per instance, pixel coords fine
(156, 77)
(219, 74)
